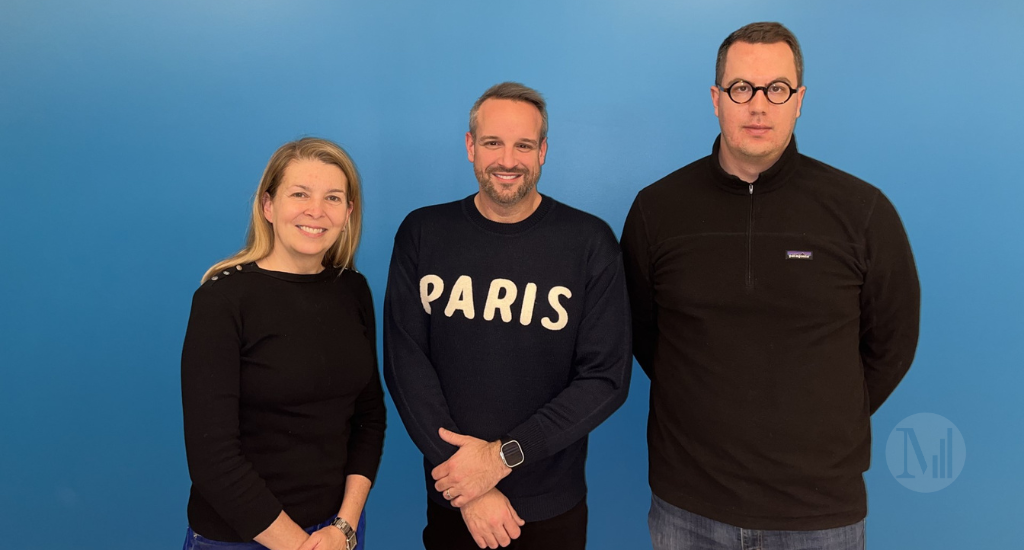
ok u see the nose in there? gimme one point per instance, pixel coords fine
(508, 157)
(759, 103)
(315, 209)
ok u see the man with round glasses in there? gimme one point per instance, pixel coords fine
(775, 307)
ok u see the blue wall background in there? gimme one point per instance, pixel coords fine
(132, 135)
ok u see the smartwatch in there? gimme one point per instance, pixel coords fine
(347, 529)
(511, 453)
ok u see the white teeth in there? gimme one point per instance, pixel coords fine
(312, 229)
(512, 177)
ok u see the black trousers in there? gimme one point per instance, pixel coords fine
(446, 531)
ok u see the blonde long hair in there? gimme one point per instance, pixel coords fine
(260, 239)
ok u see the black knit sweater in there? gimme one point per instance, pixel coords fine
(281, 398)
(520, 329)
(773, 318)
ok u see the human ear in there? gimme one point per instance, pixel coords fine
(470, 146)
(268, 208)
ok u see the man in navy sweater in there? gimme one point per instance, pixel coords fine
(506, 341)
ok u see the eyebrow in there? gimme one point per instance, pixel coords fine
(779, 79)
(524, 140)
(305, 188)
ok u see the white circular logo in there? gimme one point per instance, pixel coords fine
(925, 452)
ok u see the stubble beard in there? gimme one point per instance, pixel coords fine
(755, 150)
(528, 184)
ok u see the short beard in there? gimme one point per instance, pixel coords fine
(487, 186)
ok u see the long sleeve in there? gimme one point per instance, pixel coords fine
(890, 304)
(369, 418)
(408, 372)
(636, 261)
(210, 363)
(601, 363)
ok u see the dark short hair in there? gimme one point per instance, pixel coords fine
(761, 33)
(516, 92)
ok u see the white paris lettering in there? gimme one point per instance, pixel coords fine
(529, 299)
(503, 303)
(431, 287)
(563, 317)
(501, 296)
(461, 298)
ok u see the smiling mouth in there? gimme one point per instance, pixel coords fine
(506, 174)
(313, 230)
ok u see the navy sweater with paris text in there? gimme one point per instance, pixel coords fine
(521, 329)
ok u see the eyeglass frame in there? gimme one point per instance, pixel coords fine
(763, 89)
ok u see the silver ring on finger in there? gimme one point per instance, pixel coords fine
(447, 494)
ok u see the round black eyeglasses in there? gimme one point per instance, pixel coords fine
(777, 92)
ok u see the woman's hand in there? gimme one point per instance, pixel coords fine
(283, 534)
(328, 538)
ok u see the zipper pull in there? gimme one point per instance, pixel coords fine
(751, 188)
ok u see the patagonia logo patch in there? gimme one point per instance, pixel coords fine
(799, 255)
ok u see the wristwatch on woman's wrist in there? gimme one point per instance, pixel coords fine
(350, 533)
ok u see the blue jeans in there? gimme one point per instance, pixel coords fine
(673, 528)
(195, 541)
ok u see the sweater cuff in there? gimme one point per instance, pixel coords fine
(531, 440)
(366, 467)
(261, 515)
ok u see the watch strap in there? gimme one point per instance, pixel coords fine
(349, 532)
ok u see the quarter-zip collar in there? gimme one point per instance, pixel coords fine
(767, 181)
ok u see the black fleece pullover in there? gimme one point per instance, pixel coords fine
(773, 318)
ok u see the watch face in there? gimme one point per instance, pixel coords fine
(512, 454)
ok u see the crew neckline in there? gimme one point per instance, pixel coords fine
(516, 228)
(327, 273)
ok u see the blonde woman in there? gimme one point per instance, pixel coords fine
(283, 407)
